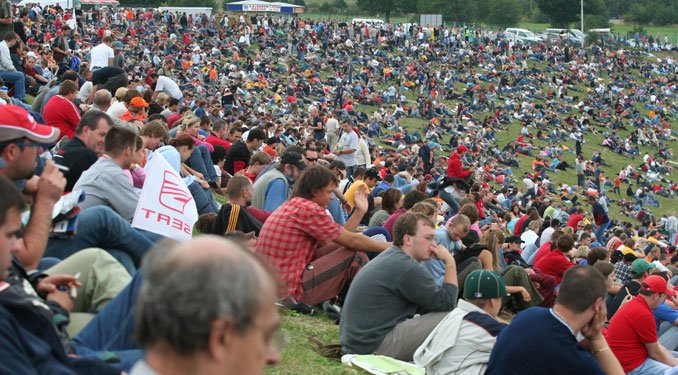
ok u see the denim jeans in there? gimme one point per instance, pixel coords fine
(651, 367)
(201, 161)
(101, 227)
(204, 201)
(600, 232)
(451, 200)
(112, 329)
(668, 335)
(18, 80)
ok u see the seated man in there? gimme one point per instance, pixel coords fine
(84, 149)
(229, 296)
(544, 341)
(21, 141)
(236, 215)
(463, 341)
(315, 257)
(104, 183)
(633, 331)
(378, 314)
(30, 337)
(273, 188)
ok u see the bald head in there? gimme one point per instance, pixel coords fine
(191, 284)
(102, 99)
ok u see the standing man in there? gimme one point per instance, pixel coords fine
(85, 148)
(379, 312)
(544, 341)
(6, 18)
(234, 328)
(332, 127)
(633, 332)
(671, 227)
(102, 55)
(600, 217)
(425, 154)
(347, 146)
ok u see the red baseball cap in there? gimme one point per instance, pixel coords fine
(462, 148)
(656, 284)
(16, 122)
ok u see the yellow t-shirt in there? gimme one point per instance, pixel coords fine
(350, 193)
(626, 250)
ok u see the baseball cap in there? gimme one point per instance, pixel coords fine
(117, 44)
(462, 148)
(138, 102)
(656, 284)
(513, 239)
(640, 266)
(484, 284)
(16, 123)
(293, 158)
(373, 173)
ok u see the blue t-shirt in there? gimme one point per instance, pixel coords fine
(536, 342)
(665, 313)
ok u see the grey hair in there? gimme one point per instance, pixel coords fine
(102, 98)
(180, 297)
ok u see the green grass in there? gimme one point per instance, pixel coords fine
(300, 357)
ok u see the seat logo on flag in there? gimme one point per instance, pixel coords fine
(165, 206)
(173, 194)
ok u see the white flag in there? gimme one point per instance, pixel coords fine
(165, 206)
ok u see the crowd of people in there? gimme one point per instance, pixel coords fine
(294, 139)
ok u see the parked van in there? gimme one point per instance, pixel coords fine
(521, 35)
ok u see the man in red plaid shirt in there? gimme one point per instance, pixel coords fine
(315, 256)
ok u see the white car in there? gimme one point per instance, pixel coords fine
(521, 35)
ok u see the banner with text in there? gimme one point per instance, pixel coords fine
(166, 206)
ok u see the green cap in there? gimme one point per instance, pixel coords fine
(640, 266)
(483, 284)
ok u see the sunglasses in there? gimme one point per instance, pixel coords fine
(312, 159)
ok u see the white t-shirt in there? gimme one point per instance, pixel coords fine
(100, 55)
(170, 87)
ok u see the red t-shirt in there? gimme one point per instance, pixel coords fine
(517, 230)
(554, 264)
(543, 250)
(216, 141)
(390, 222)
(290, 237)
(574, 220)
(630, 329)
(61, 113)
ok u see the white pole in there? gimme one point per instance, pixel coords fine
(582, 24)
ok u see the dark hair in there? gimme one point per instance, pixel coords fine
(312, 179)
(596, 254)
(11, 198)
(581, 287)
(182, 140)
(218, 154)
(412, 198)
(118, 139)
(255, 134)
(390, 199)
(10, 36)
(606, 268)
(91, 120)
(407, 225)
(565, 243)
(173, 101)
